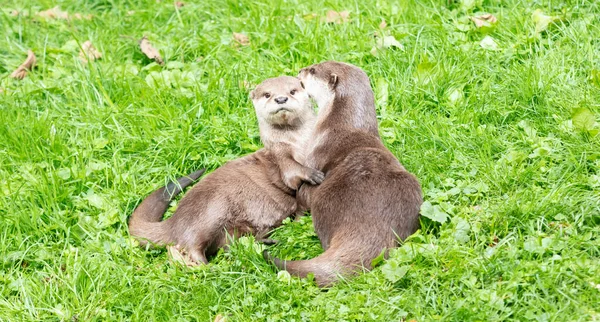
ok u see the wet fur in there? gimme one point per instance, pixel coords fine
(368, 200)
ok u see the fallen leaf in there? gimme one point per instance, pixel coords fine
(88, 52)
(28, 64)
(390, 41)
(241, 39)
(541, 21)
(54, 13)
(179, 4)
(488, 43)
(14, 13)
(150, 51)
(80, 16)
(383, 24)
(247, 85)
(337, 17)
(486, 20)
(220, 318)
(386, 42)
(179, 255)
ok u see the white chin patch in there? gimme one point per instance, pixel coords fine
(282, 118)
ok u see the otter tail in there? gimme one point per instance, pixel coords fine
(146, 221)
(324, 267)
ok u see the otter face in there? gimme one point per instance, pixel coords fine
(319, 81)
(281, 101)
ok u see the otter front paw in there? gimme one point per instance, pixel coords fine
(314, 176)
(308, 175)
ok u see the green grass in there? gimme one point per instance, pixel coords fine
(503, 141)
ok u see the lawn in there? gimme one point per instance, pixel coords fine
(496, 115)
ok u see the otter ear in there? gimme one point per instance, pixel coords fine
(252, 95)
(333, 80)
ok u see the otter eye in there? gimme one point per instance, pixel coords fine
(312, 70)
(267, 95)
(293, 92)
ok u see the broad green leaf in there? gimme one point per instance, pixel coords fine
(379, 259)
(488, 43)
(542, 21)
(455, 96)
(100, 143)
(434, 213)
(64, 173)
(468, 4)
(284, 276)
(382, 92)
(393, 272)
(583, 119)
(595, 77)
(175, 65)
(299, 22)
(462, 230)
(95, 200)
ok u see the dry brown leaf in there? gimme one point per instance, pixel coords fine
(383, 24)
(220, 318)
(484, 20)
(247, 85)
(14, 13)
(54, 13)
(28, 64)
(89, 52)
(150, 51)
(241, 39)
(179, 4)
(337, 17)
(177, 254)
(80, 16)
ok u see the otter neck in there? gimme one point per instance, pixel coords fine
(354, 111)
(296, 135)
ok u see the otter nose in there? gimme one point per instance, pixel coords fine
(281, 99)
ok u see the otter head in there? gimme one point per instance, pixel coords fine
(326, 80)
(281, 101)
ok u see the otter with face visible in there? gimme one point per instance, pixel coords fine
(367, 200)
(250, 195)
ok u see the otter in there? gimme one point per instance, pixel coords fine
(368, 200)
(249, 195)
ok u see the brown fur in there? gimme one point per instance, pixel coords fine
(367, 200)
(250, 195)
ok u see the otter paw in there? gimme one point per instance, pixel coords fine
(314, 177)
